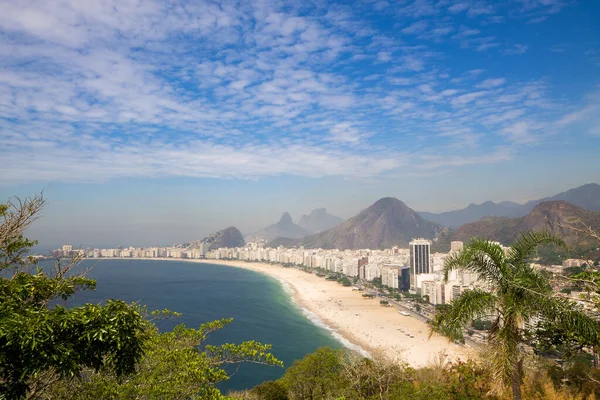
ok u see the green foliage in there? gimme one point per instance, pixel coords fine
(37, 337)
(176, 365)
(579, 376)
(572, 271)
(552, 255)
(316, 376)
(353, 377)
(271, 390)
(345, 281)
(96, 351)
(552, 340)
(517, 294)
(416, 297)
(377, 282)
(481, 325)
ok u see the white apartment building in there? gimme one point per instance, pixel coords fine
(372, 271)
(456, 246)
(389, 277)
(437, 261)
(435, 290)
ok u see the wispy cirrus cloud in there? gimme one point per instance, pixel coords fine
(93, 91)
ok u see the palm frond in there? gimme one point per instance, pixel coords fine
(565, 313)
(470, 305)
(528, 282)
(480, 256)
(523, 249)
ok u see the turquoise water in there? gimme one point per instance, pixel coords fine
(260, 308)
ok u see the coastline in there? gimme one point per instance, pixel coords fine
(360, 324)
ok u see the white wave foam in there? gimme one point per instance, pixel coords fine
(314, 318)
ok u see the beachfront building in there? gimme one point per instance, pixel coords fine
(435, 290)
(413, 268)
(456, 246)
(372, 271)
(437, 261)
(389, 277)
(419, 258)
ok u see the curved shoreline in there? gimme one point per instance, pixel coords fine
(315, 319)
(359, 323)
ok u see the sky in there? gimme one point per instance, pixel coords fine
(157, 122)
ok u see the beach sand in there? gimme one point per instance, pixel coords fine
(362, 322)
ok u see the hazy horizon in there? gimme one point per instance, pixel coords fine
(156, 123)
(48, 230)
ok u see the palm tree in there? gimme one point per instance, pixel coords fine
(516, 295)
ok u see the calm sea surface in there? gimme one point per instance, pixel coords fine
(260, 308)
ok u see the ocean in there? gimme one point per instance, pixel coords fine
(259, 305)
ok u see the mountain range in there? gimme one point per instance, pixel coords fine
(557, 217)
(318, 221)
(284, 228)
(387, 223)
(586, 196)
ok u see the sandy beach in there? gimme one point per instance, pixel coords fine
(362, 322)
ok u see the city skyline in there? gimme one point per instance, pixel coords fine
(152, 123)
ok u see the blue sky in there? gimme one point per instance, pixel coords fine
(157, 121)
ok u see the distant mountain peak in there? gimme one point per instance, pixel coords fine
(286, 218)
(318, 220)
(554, 206)
(387, 222)
(285, 227)
(228, 237)
(587, 186)
(386, 202)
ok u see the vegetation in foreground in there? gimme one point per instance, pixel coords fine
(329, 374)
(517, 295)
(95, 351)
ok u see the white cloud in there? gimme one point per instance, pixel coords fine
(416, 28)
(384, 56)
(516, 49)
(459, 7)
(93, 91)
(468, 98)
(491, 83)
(521, 132)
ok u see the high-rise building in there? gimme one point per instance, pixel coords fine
(419, 259)
(405, 278)
(67, 249)
(204, 248)
(435, 290)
